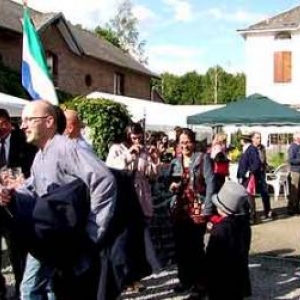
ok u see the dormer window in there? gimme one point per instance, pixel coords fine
(283, 35)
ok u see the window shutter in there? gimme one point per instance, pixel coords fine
(282, 66)
(287, 66)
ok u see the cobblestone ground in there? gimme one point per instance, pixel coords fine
(274, 263)
(271, 278)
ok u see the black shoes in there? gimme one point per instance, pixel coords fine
(268, 216)
(194, 290)
(291, 211)
(181, 288)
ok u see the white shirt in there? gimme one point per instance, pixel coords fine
(7, 147)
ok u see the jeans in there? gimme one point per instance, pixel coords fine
(36, 283)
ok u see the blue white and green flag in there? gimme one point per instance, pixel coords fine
(35, 74)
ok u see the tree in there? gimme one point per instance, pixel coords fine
(109, 35)
(193, 87)
(171, 88)
(122, 31)
(216, 86)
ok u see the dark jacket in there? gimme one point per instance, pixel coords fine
(123, 258)
(294, 157)
(53, 226)
(249, 162)
(21, 154)
(227, 259)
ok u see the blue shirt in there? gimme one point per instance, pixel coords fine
(63, 160)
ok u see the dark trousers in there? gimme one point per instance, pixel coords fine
(70, 286)
(219, 181)
(16, 252)
(189, 252)
(294, 195)
(263, 189)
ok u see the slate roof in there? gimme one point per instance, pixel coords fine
(288, 20)
(11, 15)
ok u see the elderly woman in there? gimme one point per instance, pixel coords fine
(192, 182)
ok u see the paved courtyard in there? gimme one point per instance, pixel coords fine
(274, 262)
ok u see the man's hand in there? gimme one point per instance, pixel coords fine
(135, 149)
(174, 187)
(5, 196)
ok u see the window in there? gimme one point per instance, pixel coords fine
(282, 66)
(119, 84)
(280, 139)
(52, 63)
(88, 80)
(283, 35)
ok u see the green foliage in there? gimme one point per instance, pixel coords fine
(236, 139)
(11, 83)
(122, 31)
(215, 86)
(105, 119)
(277, 159)
(109, 35)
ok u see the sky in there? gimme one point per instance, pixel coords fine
(181, 35)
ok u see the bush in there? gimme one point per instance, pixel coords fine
(106, 120)
(277, 159)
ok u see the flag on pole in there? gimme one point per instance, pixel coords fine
(35, 75)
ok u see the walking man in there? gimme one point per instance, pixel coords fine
(261, 180)
(294, 161)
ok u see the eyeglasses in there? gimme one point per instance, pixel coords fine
(30, 119)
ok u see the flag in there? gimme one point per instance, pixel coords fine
(35, 75)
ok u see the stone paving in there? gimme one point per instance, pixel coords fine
(274, 263)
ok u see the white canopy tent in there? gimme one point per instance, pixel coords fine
(12, 104)
(158, 116)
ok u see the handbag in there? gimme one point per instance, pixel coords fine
(194, 211)
(251, 186)
(221, 168)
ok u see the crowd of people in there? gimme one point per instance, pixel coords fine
(74, 221)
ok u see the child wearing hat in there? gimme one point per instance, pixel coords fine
(228, 247)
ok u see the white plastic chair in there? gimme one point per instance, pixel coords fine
(277, 179)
